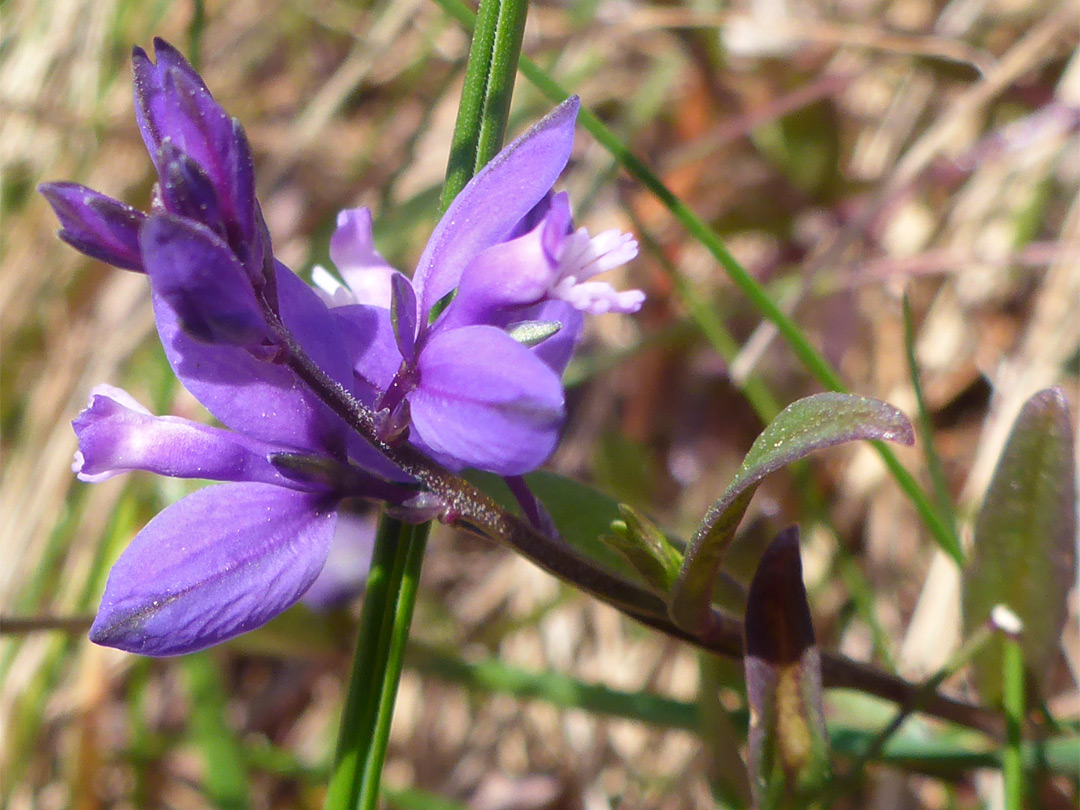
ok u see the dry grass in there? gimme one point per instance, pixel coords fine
(843, 156)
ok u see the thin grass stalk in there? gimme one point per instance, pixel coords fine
(387, 613)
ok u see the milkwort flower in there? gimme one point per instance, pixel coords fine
(227, 558)
(477, 384)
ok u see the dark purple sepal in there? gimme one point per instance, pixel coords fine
(99, 226)
(218, 563)
(193, 269)
(403, 315)
(173, 103)
(187, 191)
(262, 399)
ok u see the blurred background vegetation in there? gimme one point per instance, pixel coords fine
(845, 151)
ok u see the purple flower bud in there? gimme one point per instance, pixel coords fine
(99, 226)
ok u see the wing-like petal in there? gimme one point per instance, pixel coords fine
(196, 273)
(486, 401)
(491, 205)
(264, 400)
(99, 226)
(117, 435)
(352, 249)
(220, 562)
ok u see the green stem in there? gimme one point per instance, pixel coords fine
(369, 668)
(811, 358)
(415, 542)
(399, 549)
(926, 427)
(1013, 700)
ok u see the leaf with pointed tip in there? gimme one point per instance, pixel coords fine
(1025, 539)
(809, 424)
(788, 741)
(645, 546)
(581, 514)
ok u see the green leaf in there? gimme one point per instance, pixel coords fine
(1025, 536)
(788, 742)
(810, 424)
(225, 778)
(645, 547)
(581, 514)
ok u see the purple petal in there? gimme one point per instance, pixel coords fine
(557, 350)
(260, 399)
(220, 562)
(346, 569)
(352, 249)
(489, 207)
(193, 270)
(515, 274)
(117, 435)
(99, 226)
(172, 101)
(373, 347)
(486, 401)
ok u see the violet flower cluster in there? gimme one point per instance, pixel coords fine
(464, 360)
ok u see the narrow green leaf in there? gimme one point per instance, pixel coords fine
(810, 424)
(1025, 540)
(225, 775)
(788, 741)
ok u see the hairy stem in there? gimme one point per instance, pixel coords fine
(468, 508)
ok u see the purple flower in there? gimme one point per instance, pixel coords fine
(470, 392)
(226, 558)
(346, 570)
(477, 385)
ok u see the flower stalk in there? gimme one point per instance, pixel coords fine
(399, 549)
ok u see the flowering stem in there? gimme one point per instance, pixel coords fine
(414, 542)
(812, 360)
(367, 681)
(399, 550)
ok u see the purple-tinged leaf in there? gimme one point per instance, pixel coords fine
(788, 742)
(1025, 540)
(222, 561)
(99, 226)
(813, 423)
(494, 202)
(403, 316)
